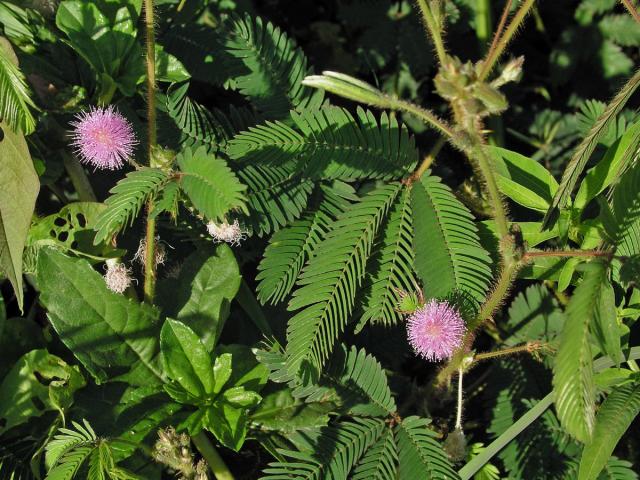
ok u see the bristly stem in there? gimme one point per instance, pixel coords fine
(501, 25)
(632, 10)
(435, 30)
(150, 256)
(528, 347)
(500, 291)
(568, 253)
(429, 118)
(211, 455)
(501, 43)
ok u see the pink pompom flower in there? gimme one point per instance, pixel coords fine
(102, 137)
(435, 330)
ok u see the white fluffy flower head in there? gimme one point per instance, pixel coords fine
(117, 277)
(225, 232)
(141, 254)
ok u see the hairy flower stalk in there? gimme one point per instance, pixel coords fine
(435, 330)
(117, 277)
(103, 138)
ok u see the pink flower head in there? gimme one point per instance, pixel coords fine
(103, 138)
(435, 330)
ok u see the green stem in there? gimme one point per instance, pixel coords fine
(501, 43)
(79, 178)
(568, 253)
(211, 455)
(428, 160)
(150, 256)
(528, 347)
(500, 291)
(435, 30)
(429, 118)
(471, 468)
(483, 23)
(458, 425)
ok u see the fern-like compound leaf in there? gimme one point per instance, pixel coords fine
(392, 267)
(614, 417)
(331, 143)
(338, 450)
(210, 184)
(271, 67)
(573, 382)
(67, 440)
(126, 200)
(328, 284)
(15, 98)
(419, 454)
(449, 257)
(380, 462)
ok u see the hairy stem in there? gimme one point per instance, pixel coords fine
(528, 347)
(501, 43)
(501, 25)
(429, 118)
(435, 30)
(79, 178)
(632, 10)
(500, 291)
(211, 455)
(150, 264)
(568, 253)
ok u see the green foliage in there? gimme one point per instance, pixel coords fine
(112, 336)
(209, 183)
(449, 257)
(573, 367)
(15, 98)
(614, 417)
(127, 199)
(269, 67)
(18, 194)
(327, 285)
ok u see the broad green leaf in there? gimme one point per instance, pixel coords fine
(169, 68)
(245, 369)
(222, 371)
(19, 186)
(186, 360)
(113, 337)
(281, 411)
(240, 398)
(227, 423)
(210, 184)
(449, 256)
(574, 387)
(523, 180)
(613, 420)
(38, 382)
(107, 44)
(201, 295)
(16, 97)
(609, 168)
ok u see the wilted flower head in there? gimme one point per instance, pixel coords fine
(141, 254)
(117, 277)
(103, 138)
(224, 232)
(174, 450)
(435, 330)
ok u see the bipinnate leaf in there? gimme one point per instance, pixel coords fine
(583, 152)
(449, 256)
(614, 418)
(573, 383)
(112, 336)
(19, 186)
(15, 97)
(185, 359)
(210, 184)
(419, 454)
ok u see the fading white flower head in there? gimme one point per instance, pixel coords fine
(141, 253)
(117, 277)
(225, 232)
